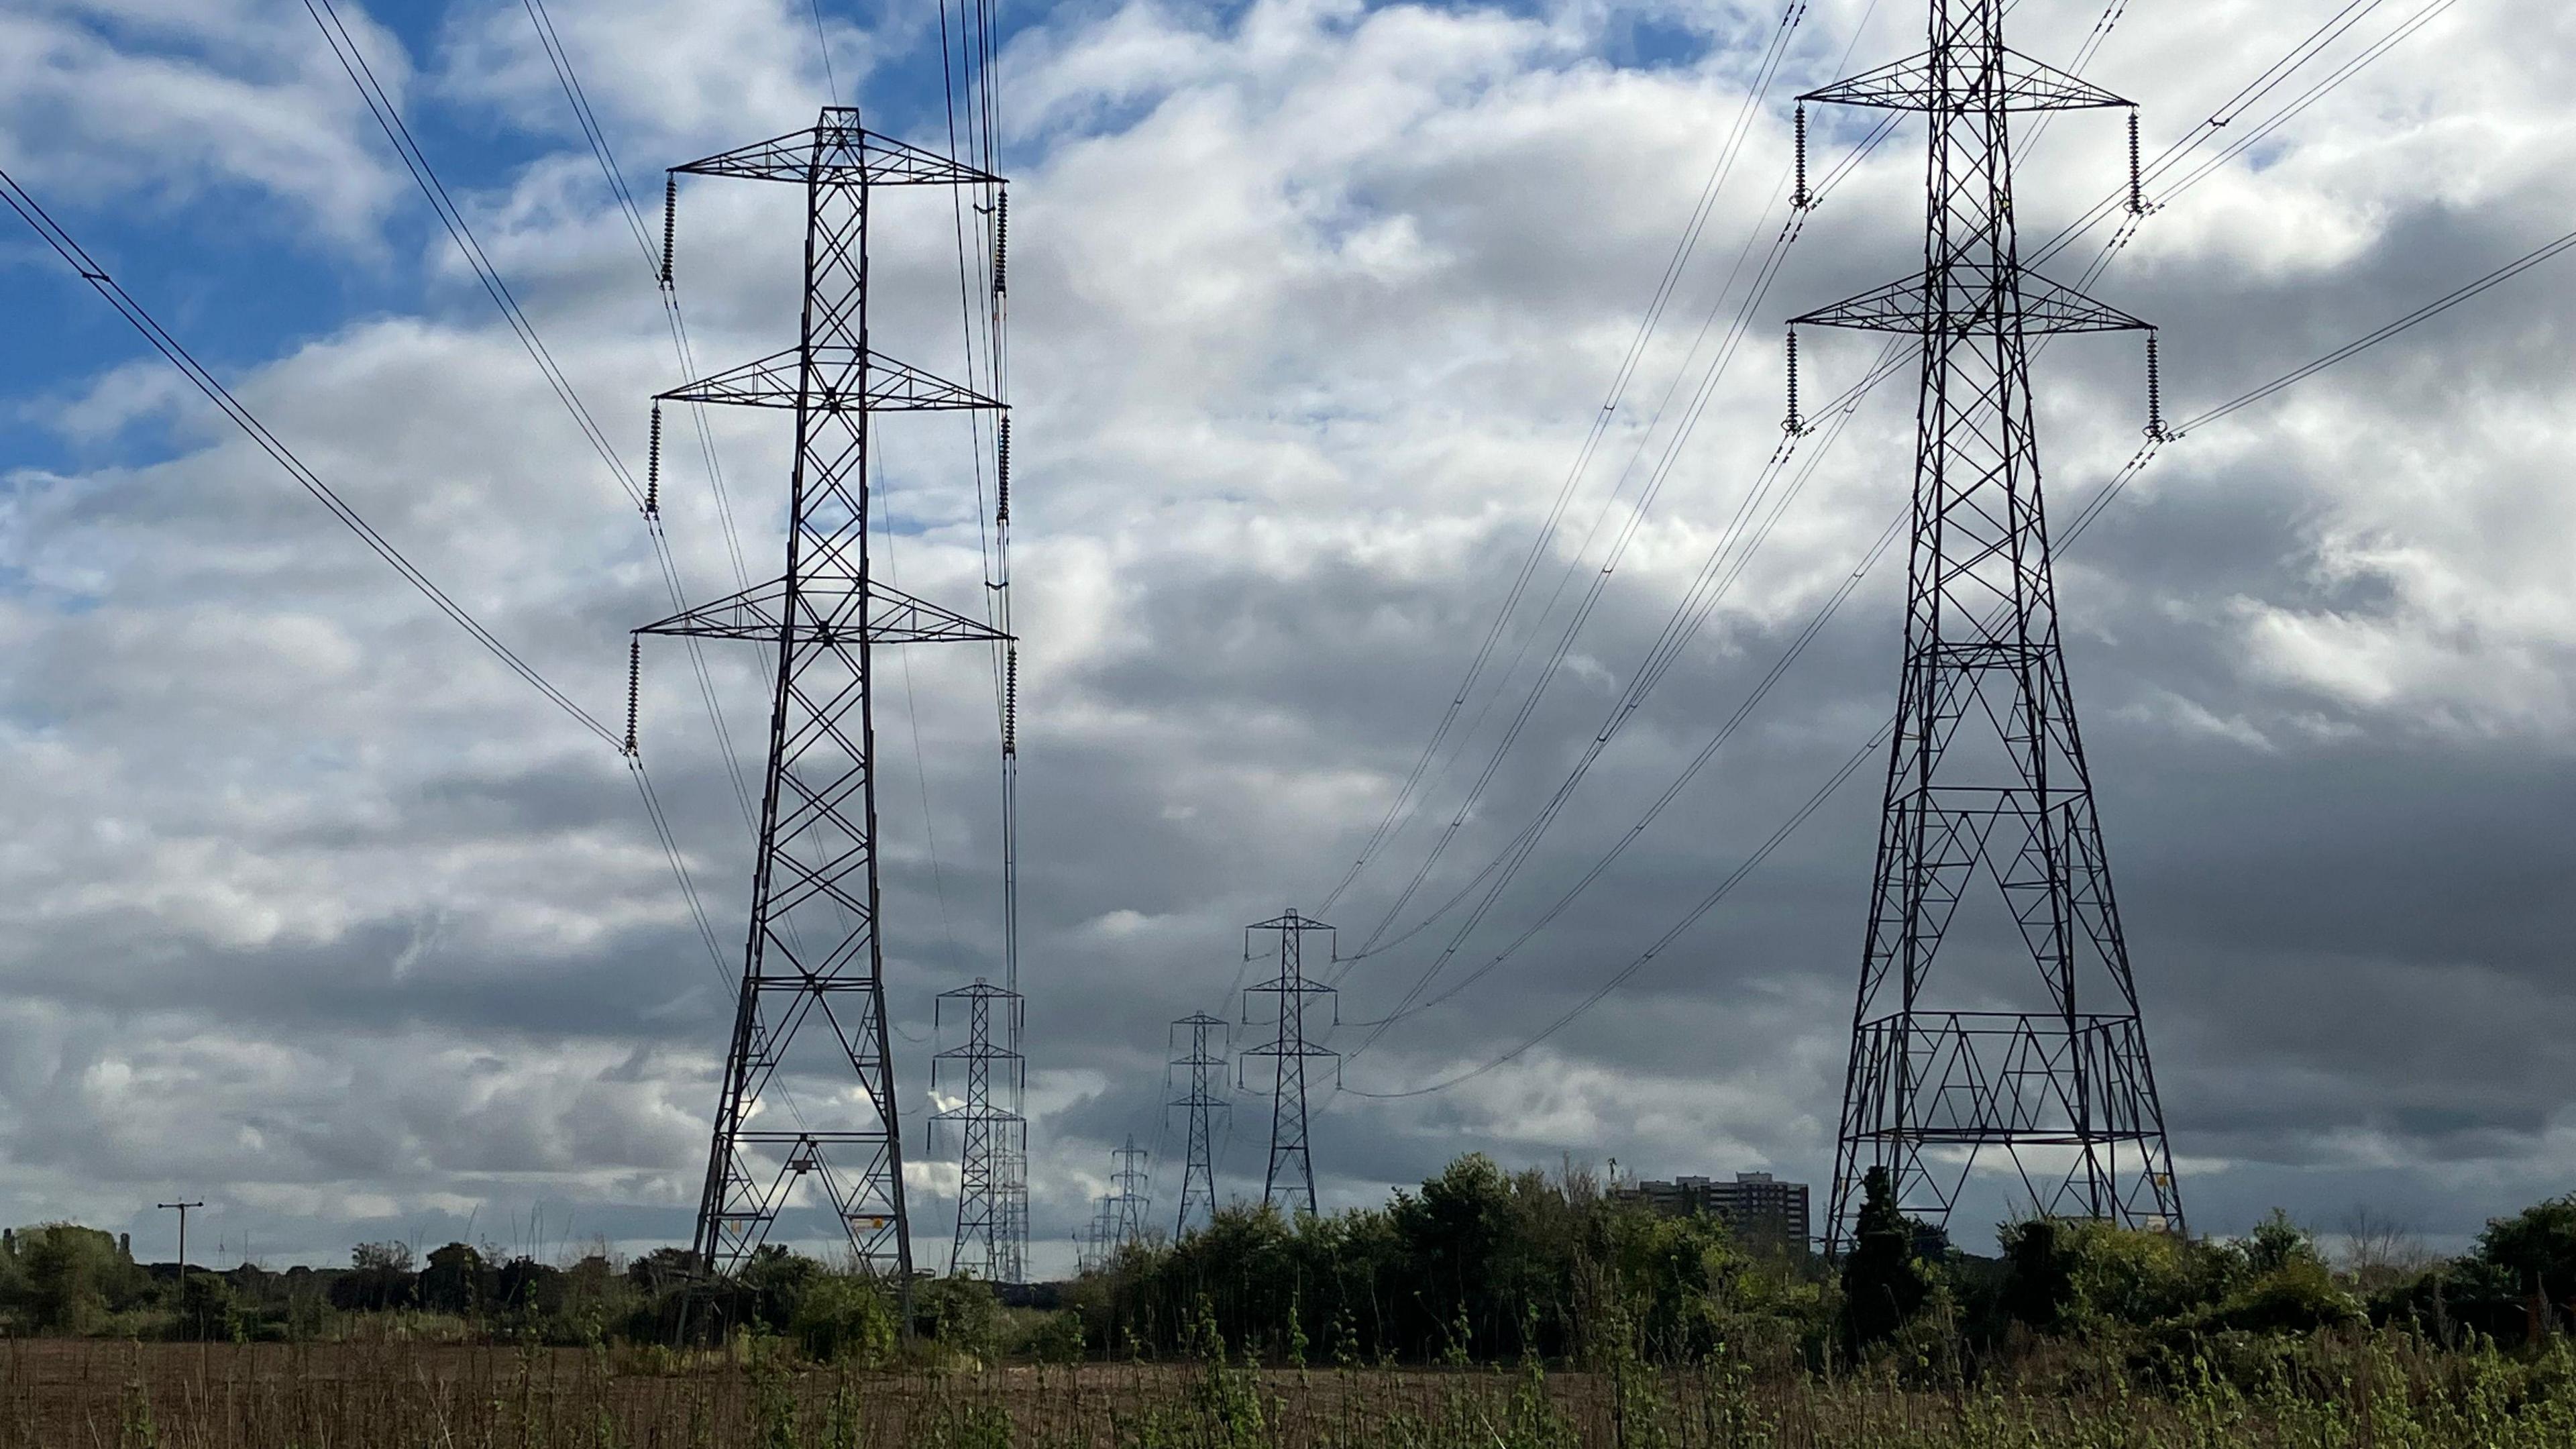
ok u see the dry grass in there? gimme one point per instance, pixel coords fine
(68, 1394)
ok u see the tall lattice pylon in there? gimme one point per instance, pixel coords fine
(812, 1002)
(1290, 1177)
(1095, 1247)
(1130, 1204)
(989, 1133)
(1201, 1103)
(1986, 776)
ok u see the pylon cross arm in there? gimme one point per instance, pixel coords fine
(876, 383)
(892, 616)
(2018, 83)
(838, 151)
(1968, 309)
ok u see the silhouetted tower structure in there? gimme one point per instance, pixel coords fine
(989, 1133)
(1986, 774)
(1290, 1176)
(1129, 1204)
(813, 971)
(1011, 1207)
(1098, 1235)
(1205, 1072)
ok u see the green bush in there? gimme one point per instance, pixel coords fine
(843, 1318)
(2299, 1296)
(959, 1314)
(73, 1277)
(1883, 1282)
(1054, 1338)
(210, 1310)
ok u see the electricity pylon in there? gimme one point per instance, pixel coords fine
(989, 1135)
(1291, 1173)
(1094, 1248)
(1202, 1102)
(1986, 774)
(1130, 1203)
(815, 946)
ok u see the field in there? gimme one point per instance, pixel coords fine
(76, 1394)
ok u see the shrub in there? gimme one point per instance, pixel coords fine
(842, 1317)
(959, 1314)
(2299, 1296)
(1055, 1338)
(74, 1277)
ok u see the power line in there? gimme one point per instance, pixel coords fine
(170, 348)
(178, 356)
(344, 48)
(1684, 623)
(1667, 285)
(2084, 518)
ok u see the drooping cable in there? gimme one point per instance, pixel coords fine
(232, 407)
(1490, 878)
(2084, 518)
(344, 48)
(1666, 287)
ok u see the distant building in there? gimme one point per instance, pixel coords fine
(1756, 1207)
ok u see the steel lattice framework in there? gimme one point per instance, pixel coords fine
(990, 1136)
(1986, 775)
(1093, 1248)
(1202, 1103)
(1130, 1203)
(1291, 1173)
(814, 958)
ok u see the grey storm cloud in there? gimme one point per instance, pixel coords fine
(314, 910)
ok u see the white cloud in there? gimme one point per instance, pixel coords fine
(314, 905)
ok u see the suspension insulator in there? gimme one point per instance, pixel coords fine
(1799, 200)
(2137, 185)
(2155, 395)
(670, 222)
(1792, 426)
(1002, 472)
(634, 688)
(1001, 242)
(1011, 701)
(653, 468)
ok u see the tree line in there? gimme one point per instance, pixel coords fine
(1483, 1265)
(1477, 1265)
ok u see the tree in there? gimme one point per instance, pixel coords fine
(456, 1281)
(1455, 1233)
(75, 1276)
(379, 1278)
(2536, 1248)
(1883, 1284)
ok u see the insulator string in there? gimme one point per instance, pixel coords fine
(670, 222)
(1791, 426)
(1011, 701)
(1001, 241)
(2137, 186)
(634, 688)
(2155, 394)
(653, 468)
(1800, 200)
(1002, 471)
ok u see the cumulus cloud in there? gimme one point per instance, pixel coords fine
(312, 907)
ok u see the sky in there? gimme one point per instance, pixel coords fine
(310, 909)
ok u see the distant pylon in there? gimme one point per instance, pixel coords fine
(1130, 1202)
(815, 945)
(1986, 774)
(1203, 1101)
(989, 1135)
(1011, 1204)
(1097, 1235)
(1291, 1173)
